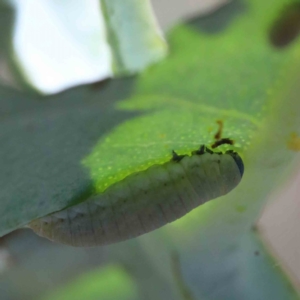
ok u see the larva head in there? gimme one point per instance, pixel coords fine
(238, 160)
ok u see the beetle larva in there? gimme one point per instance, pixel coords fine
(145, 200)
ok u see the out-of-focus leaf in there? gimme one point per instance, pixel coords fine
(133, 35)
(40, 267)
(112, 282)
(54, 45)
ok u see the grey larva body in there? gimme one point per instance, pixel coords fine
(144, 201)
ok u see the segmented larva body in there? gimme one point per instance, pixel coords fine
(145, 200)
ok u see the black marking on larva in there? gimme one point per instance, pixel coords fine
(223, 141)
(209, 151)
(176, 157)
(237, 160)
(200, 151)
(230, 151)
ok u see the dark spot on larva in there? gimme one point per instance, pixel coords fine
(220, 142)
(176, 157)
(286, 27)
(200, 151)
(238, 160)
(209, 151)
(256, 253)
(218, 161)
(165, 184)
(145, 192)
